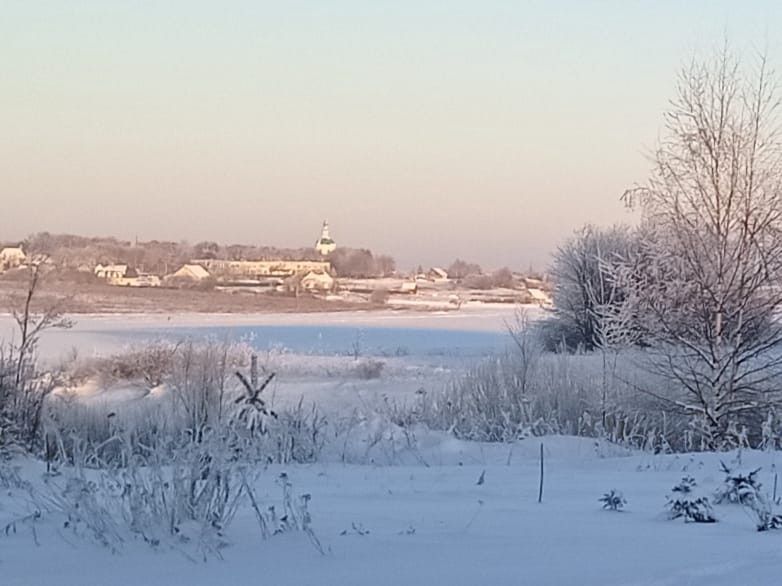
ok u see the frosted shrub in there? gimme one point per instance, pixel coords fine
(150, 363)
(368, 369)
(738, 487)
(514, 395)
(184, 497)
(24, 389)
(765, 518)
(613, 501)
(295, 517)
(199, 395)
(684, 503)
(746, 489)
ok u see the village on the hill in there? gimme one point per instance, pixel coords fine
(324, 271)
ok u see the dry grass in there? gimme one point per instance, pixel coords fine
(102, 298)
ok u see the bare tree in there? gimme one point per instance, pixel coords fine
(22, 404)
(32, 321)
(705, 287)
(459, 269)
(527, 347)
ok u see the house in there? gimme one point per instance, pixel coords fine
(192, 272)
(325, 244)
(317, 281)
(433, 275)
(112, 273)
(540, 297)
(437, 275)
(139, 280)
(11, 257)
(258, 269)
(312, 281)
(368, 286)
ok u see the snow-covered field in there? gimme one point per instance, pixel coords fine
(417, 515)
(432, 523)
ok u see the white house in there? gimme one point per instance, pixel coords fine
(192, 272)
(312, 281)
(11, 257)
(438, 275)
(434, 275)
(111, 273)
(137, 280)
(540, 297)
(256, 269)
(317, 281)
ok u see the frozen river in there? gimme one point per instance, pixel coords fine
(469, 333)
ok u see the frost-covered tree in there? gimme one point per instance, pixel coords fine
(23, 388)
(586, 290)
(705, 287)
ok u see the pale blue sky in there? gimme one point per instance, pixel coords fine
(427, 130)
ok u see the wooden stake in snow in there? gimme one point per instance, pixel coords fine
(540, 488)
(254, 371)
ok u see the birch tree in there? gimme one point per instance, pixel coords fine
(586, 288)
(705, 288)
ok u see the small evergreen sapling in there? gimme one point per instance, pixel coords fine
(745, 489)
(684, 503)
(613, 501)
(738, 488)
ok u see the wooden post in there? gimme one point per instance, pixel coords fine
(254, 371)
(540, 488)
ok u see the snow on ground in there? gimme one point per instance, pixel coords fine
(416, 516)
(431, 523)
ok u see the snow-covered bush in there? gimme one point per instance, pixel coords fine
(11, 478)
(150, 363)
(197, 394)
(613, 500)
(766, 518)
(24, 388)
(184, 497)
(295, 435)
(738, 487)
(368, 369)
(511, 396)
(683, 502)
(744, 488)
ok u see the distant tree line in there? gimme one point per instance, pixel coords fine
(361, 263)
(471, 276)
(71, 252)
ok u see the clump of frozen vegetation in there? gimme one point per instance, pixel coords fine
(744, 488)
(738, 487)
(171, 470)
(613, 500)
(185, 497)
(684, 503)
(527, 391)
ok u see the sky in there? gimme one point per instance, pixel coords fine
(427, 130)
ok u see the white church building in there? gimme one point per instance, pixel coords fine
(325, 243)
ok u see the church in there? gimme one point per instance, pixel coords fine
(325, 243)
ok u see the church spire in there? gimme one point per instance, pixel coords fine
(325, 243)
